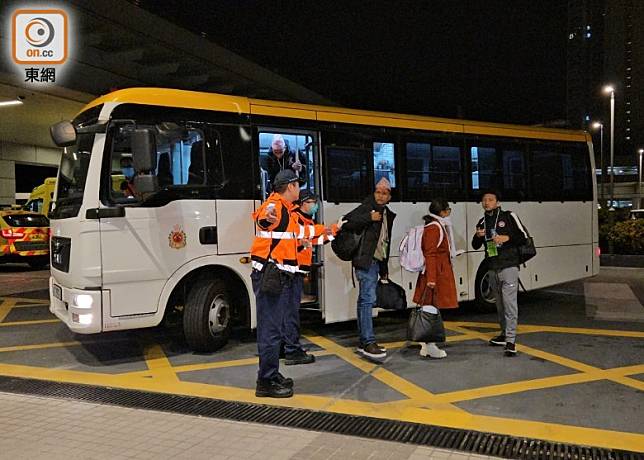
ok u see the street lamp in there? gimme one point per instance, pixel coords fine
(611, 90)
(599, 125)
(639, 183)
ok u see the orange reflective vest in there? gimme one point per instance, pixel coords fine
(277, 241)
(305, 246)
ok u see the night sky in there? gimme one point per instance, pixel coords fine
(487, 59)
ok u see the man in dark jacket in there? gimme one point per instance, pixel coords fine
(280, 157)
(501, 232)
(376, 221)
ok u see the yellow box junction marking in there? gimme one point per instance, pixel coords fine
(5, 308)
(422, 406)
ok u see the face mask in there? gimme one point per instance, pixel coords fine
(128, 172)
(313, 209)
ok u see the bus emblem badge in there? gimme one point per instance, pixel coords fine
(177, 238)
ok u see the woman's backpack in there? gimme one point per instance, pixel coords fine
(412, 258)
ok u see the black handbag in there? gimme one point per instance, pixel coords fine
(527, 250)
(425, 327)
(390, 296)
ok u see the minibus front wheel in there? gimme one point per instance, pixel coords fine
(207, 315)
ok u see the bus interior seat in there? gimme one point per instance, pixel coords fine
(163, 171)
(196, 169)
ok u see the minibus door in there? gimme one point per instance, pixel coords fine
(281, 148)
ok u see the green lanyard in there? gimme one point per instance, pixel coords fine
(490, 245)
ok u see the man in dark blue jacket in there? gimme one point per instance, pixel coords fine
(376, 220)
(501, 232)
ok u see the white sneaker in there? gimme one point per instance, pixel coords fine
(431, 350)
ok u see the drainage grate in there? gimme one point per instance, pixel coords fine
(367, 427)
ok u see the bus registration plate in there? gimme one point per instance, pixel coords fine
(58, 292)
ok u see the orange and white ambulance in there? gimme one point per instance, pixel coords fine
(24, 237)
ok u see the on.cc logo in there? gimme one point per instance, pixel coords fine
(39, 32)
(39, 36)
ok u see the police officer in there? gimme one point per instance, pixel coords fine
(501, 232)
(274, 261)
(294, 353)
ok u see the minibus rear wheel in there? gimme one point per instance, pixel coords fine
(207, 315)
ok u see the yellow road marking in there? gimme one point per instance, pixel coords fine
(32, 305)
(214, 365)
(531, 328)
(528, 428)
(566, 362)
(5, 308)
(634, 383)
(164, 386)
(29, 323)
(394, 381)
(542, 383)
(448, 418)
(158, 363)
(450, 339)
(26, 299)
(441, 413)
(39, 346)
(585, 331)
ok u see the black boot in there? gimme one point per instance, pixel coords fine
(298, 357)
(286, 381)
(272, 389)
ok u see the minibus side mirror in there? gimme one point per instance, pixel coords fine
(144, 150)
(63, 134)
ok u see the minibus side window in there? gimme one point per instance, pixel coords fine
(179, 162)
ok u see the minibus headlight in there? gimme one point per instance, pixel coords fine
(83, 300)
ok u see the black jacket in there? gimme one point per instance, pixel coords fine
(506, 224)
(359, 220)
(273, 166)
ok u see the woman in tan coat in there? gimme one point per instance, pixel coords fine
(435, 288)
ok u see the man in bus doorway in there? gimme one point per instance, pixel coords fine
(274, 259)
(376, 220)
(281, 158)
(501, 232)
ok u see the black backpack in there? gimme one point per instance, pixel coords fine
(346, 244)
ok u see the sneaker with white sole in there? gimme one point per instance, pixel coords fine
(510, 349)
(431, 350)
(372, 351)
(498, 341)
